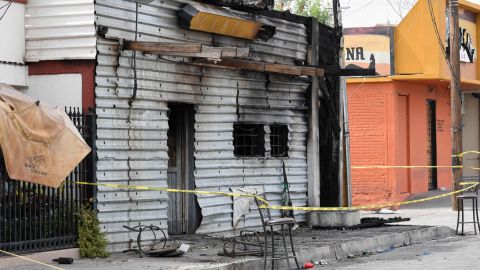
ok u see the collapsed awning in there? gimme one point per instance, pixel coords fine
(222, 21)
(39, 142)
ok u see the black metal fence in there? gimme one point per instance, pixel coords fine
(38, 218)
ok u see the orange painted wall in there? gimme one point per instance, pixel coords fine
(374, 132)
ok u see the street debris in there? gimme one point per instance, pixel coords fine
(387, 211)
(156, 248)
(308, 265)
(63, 260)
(372, 222)
(321, 262)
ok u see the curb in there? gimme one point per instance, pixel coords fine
(354, 247)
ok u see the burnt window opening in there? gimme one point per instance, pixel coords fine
(279, 140)
(248, 140)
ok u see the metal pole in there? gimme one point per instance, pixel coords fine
(455, 99)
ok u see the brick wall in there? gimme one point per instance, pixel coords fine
(368, 140)
(373, 111)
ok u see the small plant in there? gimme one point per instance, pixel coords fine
(91, 240)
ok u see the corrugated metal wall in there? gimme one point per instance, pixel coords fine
(60, 29)
(136, 153)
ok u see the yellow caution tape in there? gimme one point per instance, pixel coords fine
(31, 260)
(377, 206)
(265, 203)
(409, 167)
(468, 183)
(466, 153)
(198, 192)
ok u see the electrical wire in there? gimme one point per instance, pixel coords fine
(7, 5)
(394, 9)
(135, 79)
(362, 7)
(439, 39)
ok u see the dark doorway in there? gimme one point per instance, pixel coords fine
(183, 210)
(432, 143)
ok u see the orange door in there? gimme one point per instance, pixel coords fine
(403, 175)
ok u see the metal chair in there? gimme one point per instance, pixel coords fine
(270, 253)
(473, 196)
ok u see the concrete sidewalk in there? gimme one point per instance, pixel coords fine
(429, 221)
(329, 245)
(430, 213)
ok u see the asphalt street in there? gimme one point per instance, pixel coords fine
(450, 253)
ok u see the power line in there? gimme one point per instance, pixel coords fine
(439, 39)
(6, 5)
(365, 5)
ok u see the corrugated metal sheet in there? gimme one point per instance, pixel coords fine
(262, 98)
(136, 153)
(60, 29)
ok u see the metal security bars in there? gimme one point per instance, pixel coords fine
(279, 140)
(248, 140)
(38, 218)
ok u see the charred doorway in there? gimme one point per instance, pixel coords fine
(183, 210)
(432, 143)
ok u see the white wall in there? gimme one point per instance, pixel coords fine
(57, 90)
(60, 30)
(12, 74)
(12, 46)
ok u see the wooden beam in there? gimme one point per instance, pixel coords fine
(224, 55)
(187, 50)
(162, 47)
(270, 67)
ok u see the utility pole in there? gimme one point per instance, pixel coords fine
(455, 99)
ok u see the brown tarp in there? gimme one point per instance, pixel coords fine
(39, 142)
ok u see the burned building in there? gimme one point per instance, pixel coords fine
(190, 95)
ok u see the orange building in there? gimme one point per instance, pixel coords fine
(402, 116)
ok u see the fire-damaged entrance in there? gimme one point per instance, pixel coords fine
(183, 210)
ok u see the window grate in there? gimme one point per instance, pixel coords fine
(279, 140)
(248, 140)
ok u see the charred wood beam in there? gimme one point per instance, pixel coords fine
(187, 50)
(266, 67)
(161, 47)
